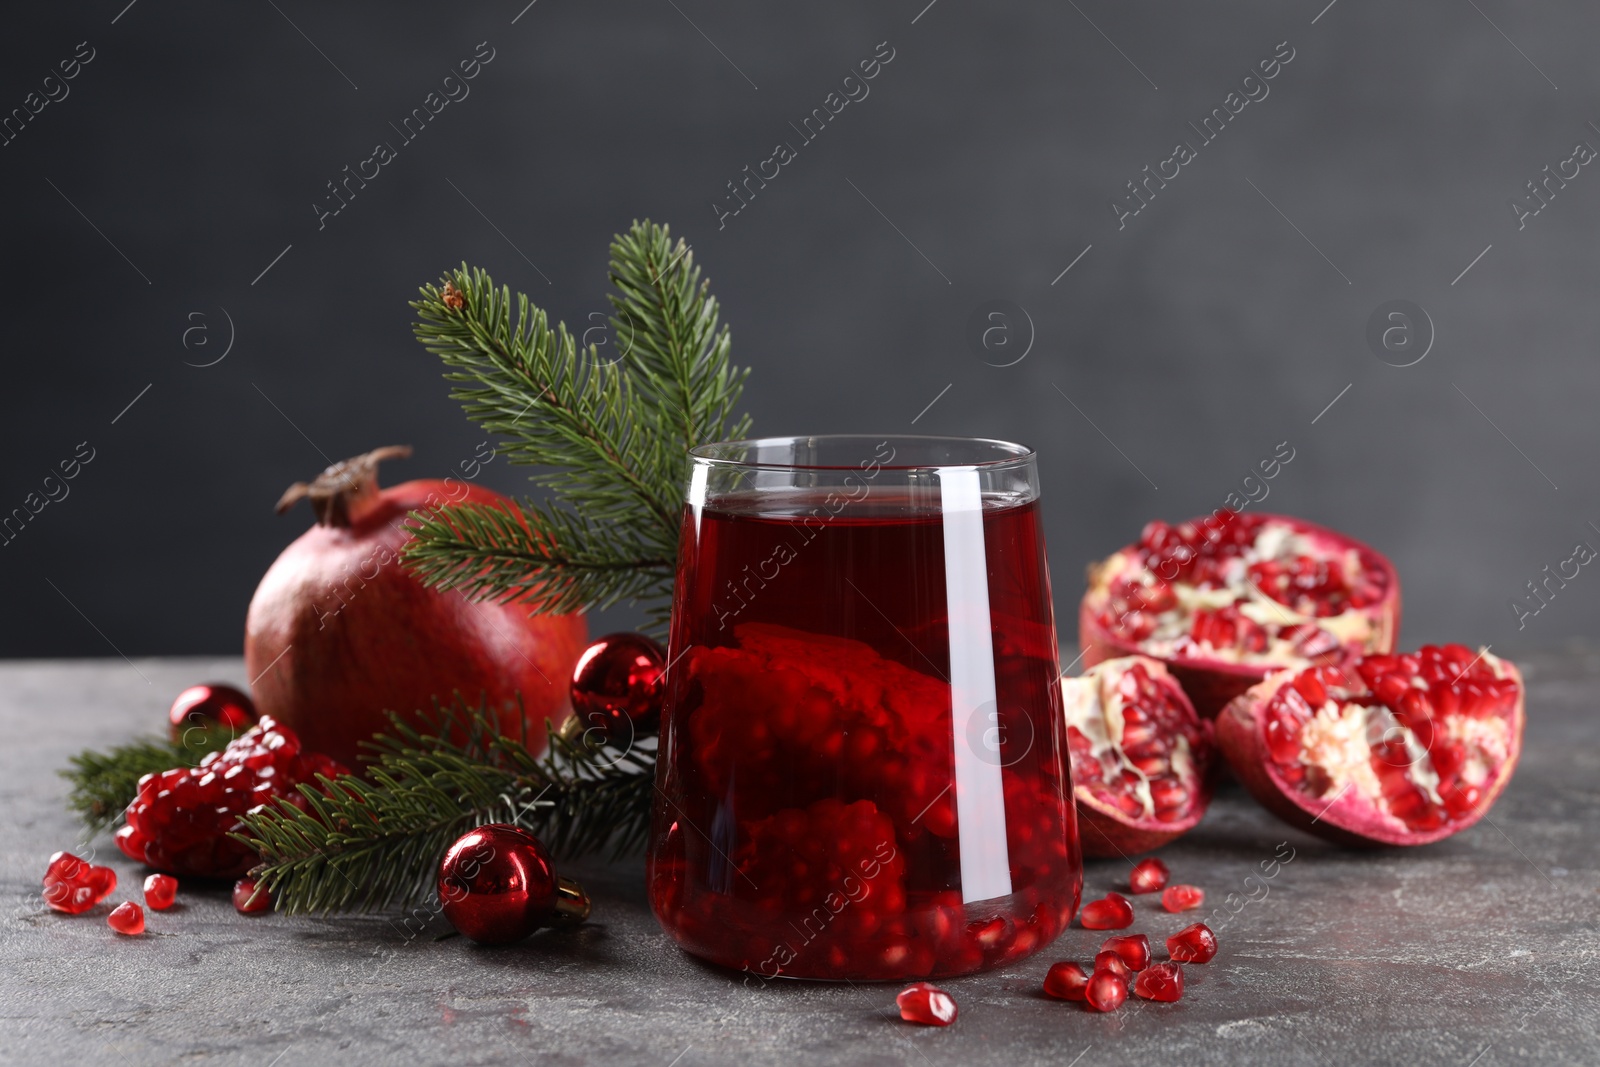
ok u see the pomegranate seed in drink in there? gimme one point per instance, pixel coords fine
(1193, 944)
(926, 1004)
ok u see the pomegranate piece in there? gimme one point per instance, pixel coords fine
(126, 918)
(1111, 912)
(249, 898)
(180, 820)
(1148, 876)
(1106, 991)
(73, 886)
(159, 891)
(926, 1004)
(869, 727)
(796, 860)
(1134, 950)
(1141, 759)
(1065, 981)
(1110, 961)
(1163, 981)
(1228, 598)
(1193, 944)
(1182, 897)
(1385, 750)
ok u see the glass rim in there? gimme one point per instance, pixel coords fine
(1012, 454)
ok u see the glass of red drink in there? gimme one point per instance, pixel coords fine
(863, 765)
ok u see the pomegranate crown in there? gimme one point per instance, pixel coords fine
(345, 491)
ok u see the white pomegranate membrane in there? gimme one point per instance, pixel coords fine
(1247, 589)
(1422, 737)
(1135, 747)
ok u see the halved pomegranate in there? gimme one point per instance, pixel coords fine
(1226, 599)
(1141, 757)
(1389, 750)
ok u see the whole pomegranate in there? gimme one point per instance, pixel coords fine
(1226, 599)
(339, 632)
(1141, 757)
(1389, 750)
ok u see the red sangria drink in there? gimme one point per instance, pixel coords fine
(863, 766)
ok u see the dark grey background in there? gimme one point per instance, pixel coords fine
(194, 145)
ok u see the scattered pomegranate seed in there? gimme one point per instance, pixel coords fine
(248, 899)
(74, 886)
(1182, 897)
(126, 918)
(1110, 961)
(1134, 949)
(1065, 981)
(1193, 944)
(159, 891)
(1106, 991)
(1113, 912)
(1163, 981)
(926, 1004)
(1148, 876)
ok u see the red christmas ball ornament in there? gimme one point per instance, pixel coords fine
(618, 688)
(210, 706)
(497, 886)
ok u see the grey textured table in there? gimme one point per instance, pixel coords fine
(1474, 952)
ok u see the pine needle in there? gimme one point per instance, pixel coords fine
(611, 436)
(375, 844)
(105, 783)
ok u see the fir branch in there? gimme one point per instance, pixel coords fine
(612, 436)
(105, 783)
(373, 844)
(491, 552)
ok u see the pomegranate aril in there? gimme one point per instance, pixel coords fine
(1182, 897)
(926, 1004)
(1110, 961)
(250, 899)
(1462, 799)
(1132, 949)
(1148, 875)
(1167, 794)
(73, 886)
(1311, 688)
(1106, 991)
(159, 891)
(1065, 981)
(1113, 912)
(1163, 981)
(1193, 944)
(126, 918)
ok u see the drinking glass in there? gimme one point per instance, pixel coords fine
(863, 768)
